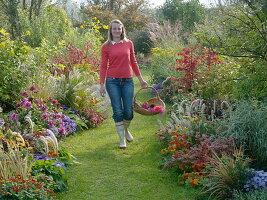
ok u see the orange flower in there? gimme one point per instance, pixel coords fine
(172, 142)
(170, 148)
(194, 181)
(15, 188)
(186, 175)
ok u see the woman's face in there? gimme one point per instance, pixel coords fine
(116, 30)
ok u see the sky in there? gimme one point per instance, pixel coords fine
(155, 3)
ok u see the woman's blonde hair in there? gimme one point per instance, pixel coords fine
(123, 34)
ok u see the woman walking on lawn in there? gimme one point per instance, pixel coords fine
(117, 66)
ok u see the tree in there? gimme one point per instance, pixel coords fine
(240, 32)
(188, 13)
(10, 8)
(129, 12)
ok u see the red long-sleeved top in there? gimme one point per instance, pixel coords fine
(118, 61)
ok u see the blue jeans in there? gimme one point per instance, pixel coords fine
(121, 93)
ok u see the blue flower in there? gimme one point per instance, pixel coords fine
(258, 181)
(57, 163)
(2, 122)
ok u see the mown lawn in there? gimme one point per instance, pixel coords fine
(106, 172)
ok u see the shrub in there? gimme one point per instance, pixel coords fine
(16, 68)
(52, 25)
(52, 168)
(248, 123)
(33, 115)
(255, 195)
(92, 118)
(227, 174)
(31, 188)
(142, 42)
(13, 156)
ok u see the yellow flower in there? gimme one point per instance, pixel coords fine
(155, 49)
(98, 22)
(101, 38)
(178, 127)
(164, 151)
(3, 32)
(28, 33)
(19, 139)
(96, 31)
(62, 42)
(95, 18)
(30, 148)
(22, 144)
(81, 26)
(96, 27)
(195, 119)
(186, 117)
(105, 27)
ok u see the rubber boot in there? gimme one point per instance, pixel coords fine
(121, 133)
(128, 135)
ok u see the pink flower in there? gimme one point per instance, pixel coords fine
(14, 116)
(23, 102)
(50, 123)
(36, 91)
(33, 87)
(44, 108)
(45, 116)
(62, 131)
(38, 102)
(28, 104)
(25, 94)
(145, 106)
(54, 101)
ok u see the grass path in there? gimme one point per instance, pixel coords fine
(105, 172)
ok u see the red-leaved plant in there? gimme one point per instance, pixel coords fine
(191, 61)
(75, 56)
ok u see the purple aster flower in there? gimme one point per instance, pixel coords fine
(28, 104)
(61, 122)
(62, 131)
(23, 102)
(45, 116)
(54, 101)
(44, 108)
(54, 116)
(14, 116)
(25, 94)
(33, 87)
(38, 102)
(51, 123)
(70, 125)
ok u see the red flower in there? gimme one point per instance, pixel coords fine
(15, 188)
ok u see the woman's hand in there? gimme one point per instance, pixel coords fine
(102, 90)
(143, 84)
